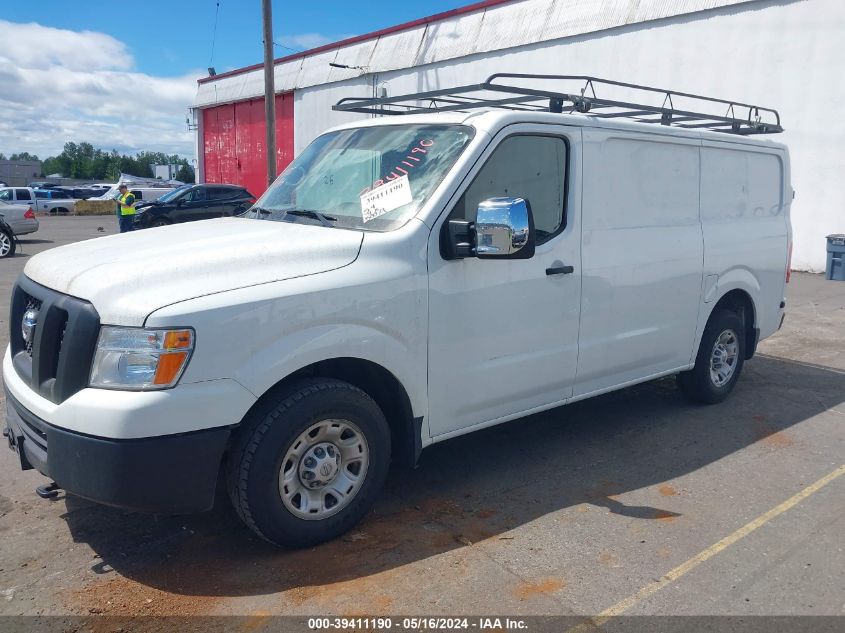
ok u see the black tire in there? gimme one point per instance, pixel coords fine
(254, 463)
(160, 222)
(7, 241)
(61, 211)
(697, 384)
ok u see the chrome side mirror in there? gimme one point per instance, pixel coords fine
(504, 228)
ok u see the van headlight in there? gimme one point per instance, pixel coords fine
(140, 359)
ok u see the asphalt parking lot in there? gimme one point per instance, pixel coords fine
(636, 502)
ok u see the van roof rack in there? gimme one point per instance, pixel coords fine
(736, 117)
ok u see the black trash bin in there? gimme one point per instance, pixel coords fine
(836, 257)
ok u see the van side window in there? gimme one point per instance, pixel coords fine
(529, 167)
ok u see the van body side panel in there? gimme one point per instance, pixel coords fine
(745, 223)
(642, 257)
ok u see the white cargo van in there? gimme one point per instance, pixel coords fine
(406, 280)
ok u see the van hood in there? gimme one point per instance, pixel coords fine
(128, 276)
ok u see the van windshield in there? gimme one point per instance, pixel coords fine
(372, 178)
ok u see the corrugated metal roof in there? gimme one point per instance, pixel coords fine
(483, 27)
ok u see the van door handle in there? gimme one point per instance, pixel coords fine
(560, 270)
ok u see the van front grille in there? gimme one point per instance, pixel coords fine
(55, 357)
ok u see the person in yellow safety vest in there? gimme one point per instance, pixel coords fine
(126, 209)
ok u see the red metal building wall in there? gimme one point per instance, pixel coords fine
(233, 142)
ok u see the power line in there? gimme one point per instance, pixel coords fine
(288, 47)
(214, 33)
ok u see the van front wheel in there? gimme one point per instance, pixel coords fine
(308, 466)
(718, 365)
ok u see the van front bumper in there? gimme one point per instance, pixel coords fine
(168, 474)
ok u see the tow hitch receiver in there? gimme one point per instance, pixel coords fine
(16, 446)
(49, 491)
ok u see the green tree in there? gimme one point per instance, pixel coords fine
(65, 160)
(113, 169)
(82, 160)
(51, 166)
(23, 156)
(186, 172)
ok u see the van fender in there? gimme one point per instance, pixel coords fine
(405, 359)
(736, 278)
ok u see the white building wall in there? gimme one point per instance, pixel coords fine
(787, 54)
(495, 27)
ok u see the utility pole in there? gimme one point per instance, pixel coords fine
(269, 90)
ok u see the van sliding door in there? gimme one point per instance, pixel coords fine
(642, 257)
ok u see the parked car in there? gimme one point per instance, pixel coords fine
(193, 202)
(91, 190)
(43, 184)
(406, 280)
(8, 243)
(79, 193)
(53, 201)
(20, 217)
(22, 195)
(37, 199)
(146, 194)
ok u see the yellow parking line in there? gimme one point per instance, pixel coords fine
(671, 576)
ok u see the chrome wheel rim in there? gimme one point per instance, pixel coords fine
(723, 358)
(324, 469)
(5, 244)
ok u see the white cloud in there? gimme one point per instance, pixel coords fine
(34, 46)
(60, 85)
(306, 41)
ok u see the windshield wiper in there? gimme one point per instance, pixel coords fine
(260, 210)
(325, 220)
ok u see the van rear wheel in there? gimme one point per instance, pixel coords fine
(721, 355)
(309, 464)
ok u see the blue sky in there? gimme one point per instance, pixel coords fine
(85, 53)
(170, 38)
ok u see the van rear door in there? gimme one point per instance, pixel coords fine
(641, 257)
